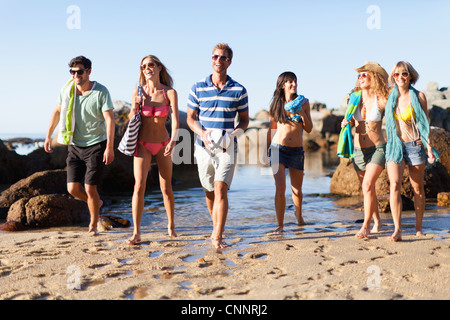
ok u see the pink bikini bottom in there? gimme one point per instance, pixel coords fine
(153, 147)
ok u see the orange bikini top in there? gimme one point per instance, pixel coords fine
(162, 111)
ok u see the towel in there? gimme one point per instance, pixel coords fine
(67, 115)
(394, 147)
(295, 105)
(345, 147)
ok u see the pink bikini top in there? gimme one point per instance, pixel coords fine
(162, 111)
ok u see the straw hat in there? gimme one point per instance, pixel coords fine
(374, 67)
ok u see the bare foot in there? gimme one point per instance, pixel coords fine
(300, 220)
(278, 230)
(419, 233)
(396, 236)
(219, 243)
(376, 228)
(135, 240)
(172, 233)
(362, 233)
(93, 231)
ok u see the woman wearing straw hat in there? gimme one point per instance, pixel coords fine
(408, 132)
(369, 100)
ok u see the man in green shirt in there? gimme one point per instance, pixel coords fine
(85, 114)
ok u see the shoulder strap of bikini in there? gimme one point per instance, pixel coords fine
(165, 97)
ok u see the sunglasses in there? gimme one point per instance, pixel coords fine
(221, 58)
(150, 65)
(363, 75)
(403, 74)
(78, 72)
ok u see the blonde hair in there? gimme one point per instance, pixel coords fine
(378, 84)
(164, 76)
(225, 47)
(405, 66)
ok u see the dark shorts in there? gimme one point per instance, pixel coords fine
(85, 164)
(291, 157)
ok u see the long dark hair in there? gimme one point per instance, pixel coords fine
(279, 98)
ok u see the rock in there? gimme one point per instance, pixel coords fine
(332, 124)
(310, 145)
(13, 166)
(344, 180)
(432, 86)
(435, 96)
(443, 199)
(111, 221)
(45, 182)
(49, 210)
(12, 226)
(441, 141)
(442, 103)
(440, 117)
(262, 115)
(318, 106)
(385, 207)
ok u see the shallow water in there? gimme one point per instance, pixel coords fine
(251, 214)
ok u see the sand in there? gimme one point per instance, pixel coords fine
(71, 264)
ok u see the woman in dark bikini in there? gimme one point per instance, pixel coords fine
(289, 116)
(159, 100)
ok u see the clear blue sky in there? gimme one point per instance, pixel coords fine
(321, 41)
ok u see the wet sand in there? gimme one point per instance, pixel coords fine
(71, 264)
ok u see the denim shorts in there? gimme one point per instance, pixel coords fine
(364, 156)
(291, 157)
(413, 153)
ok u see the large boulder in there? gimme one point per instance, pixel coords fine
(49, 210)
(39, 183)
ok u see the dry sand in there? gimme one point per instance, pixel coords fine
(71, 264)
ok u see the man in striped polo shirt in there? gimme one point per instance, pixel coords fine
(213, 104)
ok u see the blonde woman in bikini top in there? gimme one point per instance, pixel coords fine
(369, 113)
(369, 160)
(159, 100)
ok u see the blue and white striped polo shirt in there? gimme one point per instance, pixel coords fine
(217, 109)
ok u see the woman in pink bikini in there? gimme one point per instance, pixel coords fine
(159, 101)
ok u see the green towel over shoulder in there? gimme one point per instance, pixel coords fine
(67, 115)
(345, 147)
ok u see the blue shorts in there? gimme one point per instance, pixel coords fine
(291, 157)
(413, 153)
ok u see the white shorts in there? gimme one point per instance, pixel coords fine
(217, 166)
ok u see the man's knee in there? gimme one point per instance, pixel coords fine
(74, 188)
